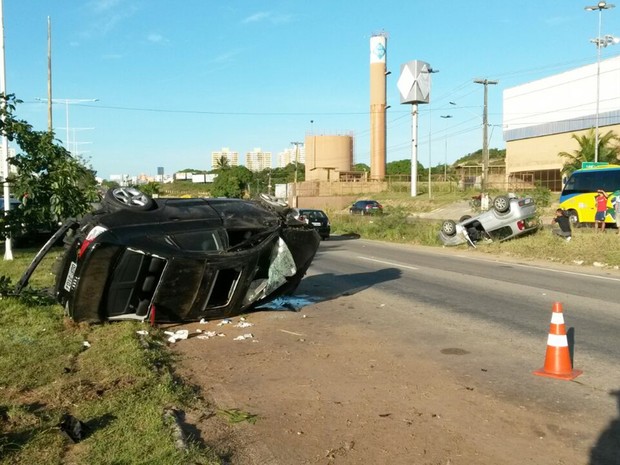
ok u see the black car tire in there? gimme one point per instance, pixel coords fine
(448, 227)
(128, 197)
(464, 218)
(501, 204)
(573, 217)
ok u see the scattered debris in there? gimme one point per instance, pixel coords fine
(599, 264)
(243, 324)
(74, 428)
(142, 332)
(243, 337)
(291, 303)
(235, 415)
(291, 332)
(177, 335)
(209, 335)
(86, 344)
(224, 322)
(203, 321)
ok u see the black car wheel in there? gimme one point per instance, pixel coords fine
(573, 217)
(501, 204)
(128, 197)
(448, 228)
(464, 218)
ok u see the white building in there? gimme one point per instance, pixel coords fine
(232, 157)
(292, 154)
(257, 160)
(540, 118)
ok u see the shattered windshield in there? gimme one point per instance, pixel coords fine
(282, 266)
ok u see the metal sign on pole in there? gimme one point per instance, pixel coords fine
(414, 85)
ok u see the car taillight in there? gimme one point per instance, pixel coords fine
(521, 225)
(90, 237)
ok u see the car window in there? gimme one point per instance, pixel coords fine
(314, 214)
(204, 241)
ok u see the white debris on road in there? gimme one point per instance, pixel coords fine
(177, 335)
(243, 324)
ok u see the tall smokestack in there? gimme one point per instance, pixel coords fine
(378, 56)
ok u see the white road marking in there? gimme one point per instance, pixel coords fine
(389, 263)
(576, 273)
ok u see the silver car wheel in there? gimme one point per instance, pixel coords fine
(448, 228)
(501, 204)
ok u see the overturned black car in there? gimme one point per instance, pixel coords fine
(178, 259)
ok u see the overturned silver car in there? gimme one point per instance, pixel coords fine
(509, 217)
(178, 259)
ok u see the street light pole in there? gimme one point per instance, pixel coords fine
(445, 165)
(296, 144)
(68, 101)
(599, 42)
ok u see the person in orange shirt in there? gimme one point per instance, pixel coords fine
(601, 211)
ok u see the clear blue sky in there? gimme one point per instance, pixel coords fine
(176, 80)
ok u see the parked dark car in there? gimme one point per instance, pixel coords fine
(178, 259)
(316, 218)
(366, 207)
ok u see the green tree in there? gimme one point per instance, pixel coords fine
(150, 188)
(107, 184)
(222, 163)
(402, 167)
(232, 182)
(608, 150)
(51, 184)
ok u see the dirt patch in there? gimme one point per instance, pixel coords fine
(329, 386)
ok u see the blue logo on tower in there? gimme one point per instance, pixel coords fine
(379, 51)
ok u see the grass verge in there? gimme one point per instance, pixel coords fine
(120, 385)
(586, 247)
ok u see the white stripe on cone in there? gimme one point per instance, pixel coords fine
(555, 340)
(557, 318)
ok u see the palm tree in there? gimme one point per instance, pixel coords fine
(222, 163)
(608, 151)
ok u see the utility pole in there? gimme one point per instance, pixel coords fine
(485, 139)
(296, 144)
(49, 75)
(8, 247)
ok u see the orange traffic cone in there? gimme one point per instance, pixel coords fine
(557, 360)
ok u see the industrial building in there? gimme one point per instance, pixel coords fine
(540, 118)
(327, 156)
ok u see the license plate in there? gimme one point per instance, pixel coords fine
(70, 275)
(316, 224)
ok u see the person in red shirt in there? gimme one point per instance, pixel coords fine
(601, 211)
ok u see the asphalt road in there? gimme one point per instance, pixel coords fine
(498, 310)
